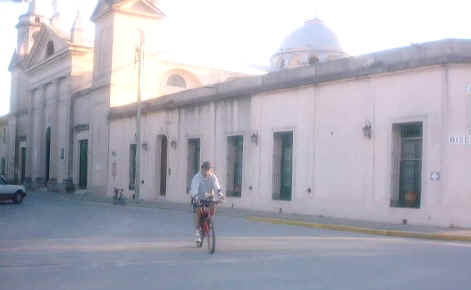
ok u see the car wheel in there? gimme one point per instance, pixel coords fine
(19, 197)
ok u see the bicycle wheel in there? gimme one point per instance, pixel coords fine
(211, 238)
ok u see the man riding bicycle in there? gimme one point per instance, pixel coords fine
(203, 183)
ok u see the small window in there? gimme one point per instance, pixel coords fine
(50, 48)
(176, 81)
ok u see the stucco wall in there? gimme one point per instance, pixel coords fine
(90, 123)
(349, 174)
(456, 158)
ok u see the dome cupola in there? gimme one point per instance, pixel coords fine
(313, 42)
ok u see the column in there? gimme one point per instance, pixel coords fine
(35, 136)
(30, 137)
(54, 123)
(12, 148)
(40, 140)
(69, 133)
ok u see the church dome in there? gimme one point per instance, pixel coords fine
(314, 35)
(311, 43)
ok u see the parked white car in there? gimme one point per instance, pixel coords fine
(15, 193)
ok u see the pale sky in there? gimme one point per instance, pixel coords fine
(246, 33)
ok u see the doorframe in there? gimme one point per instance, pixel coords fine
(390, 184)
(23, 163)
(80, 142)
(245, 137)
(286, 129)
(48, 137)
(80, 135)
(187, 143)
(158, 164)
(283, 165)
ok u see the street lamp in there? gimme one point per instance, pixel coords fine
(140, 60)
(254, 138)
(367, 130)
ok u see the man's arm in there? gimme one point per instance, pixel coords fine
(217, 186)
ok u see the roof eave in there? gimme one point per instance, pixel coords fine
(449, 51)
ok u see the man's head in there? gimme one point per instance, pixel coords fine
(206, 168)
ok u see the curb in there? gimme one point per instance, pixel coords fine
(370, 231)
(333, 227)
(127, 204)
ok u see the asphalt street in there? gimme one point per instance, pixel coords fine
(53, 243)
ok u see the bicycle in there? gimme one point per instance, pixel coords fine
(207, 211)
(118, 196)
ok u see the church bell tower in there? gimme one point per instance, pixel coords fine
(119, 27)
(28, 24)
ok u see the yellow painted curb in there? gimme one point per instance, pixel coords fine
(343, 228)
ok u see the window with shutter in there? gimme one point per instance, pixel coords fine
(407, 165)
(193, 161)
(282, 166)
(235, 149)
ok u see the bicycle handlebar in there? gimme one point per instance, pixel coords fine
(208, 201)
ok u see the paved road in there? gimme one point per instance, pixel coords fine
(49, 243)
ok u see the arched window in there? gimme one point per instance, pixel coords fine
(176, 81)
(50, 48)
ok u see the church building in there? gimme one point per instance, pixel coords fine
(63, 88)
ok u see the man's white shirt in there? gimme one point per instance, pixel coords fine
(201, 185)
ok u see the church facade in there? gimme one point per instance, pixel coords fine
(383, 136)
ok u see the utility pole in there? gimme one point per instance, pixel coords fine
(140, 60)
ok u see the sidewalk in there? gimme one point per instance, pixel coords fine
(309, 221)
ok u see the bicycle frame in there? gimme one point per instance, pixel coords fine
(206, 212)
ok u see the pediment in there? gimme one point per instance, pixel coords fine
(139, 7)
(142, 6)
(48, 43)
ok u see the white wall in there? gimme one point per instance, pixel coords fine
(92, 110)
(349, 175)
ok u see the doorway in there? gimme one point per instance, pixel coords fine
(235, 152)
(283, 166)
(163, 165)
(193, 160)
(23, 165)
(132, 166)
(48, 153)
(410, 165)
(83, 164)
